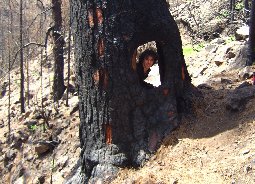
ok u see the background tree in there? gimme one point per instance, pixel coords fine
(58, 52)
(22, 98)
(121, 122)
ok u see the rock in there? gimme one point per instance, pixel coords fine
(41, 149)
(237, 100)
(204, 86)
(2, 124)
(3, 89)
(9, 157)
(203, 70)
(225, 81)
(248, 168)
(242, 33)
(230, 55)
(241, 57)
(245, 73)
(19, 180)
(218, 62)
(244, 152)
(30, 157)
(41, 179)
(211, 48)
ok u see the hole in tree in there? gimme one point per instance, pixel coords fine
(145, 63)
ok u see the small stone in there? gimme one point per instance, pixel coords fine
(41, 149)
(246, 151)
(203, 70)
(30, 157)
(248, 168)
(9, 156)
(226, 81)
(245, 73)
(218, 63)
(230, 55)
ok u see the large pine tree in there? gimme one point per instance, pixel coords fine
(121, 122)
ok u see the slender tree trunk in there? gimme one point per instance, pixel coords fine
(2, 43)
(122, 122)
(22, 99)
(251, 55)
(58, 52)
(232, 9)
(10, 29)
(68, 60)
(9, 95)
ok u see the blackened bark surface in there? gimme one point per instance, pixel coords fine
(251, 55)
(22, 77)
(58, 52)
(121, 122)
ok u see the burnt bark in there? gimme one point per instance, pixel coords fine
(121, 122)
(22, 77)
(58, 51)
(251, 54)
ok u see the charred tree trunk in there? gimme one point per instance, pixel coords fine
(22, 98)
(58, 52)
(68, 60)
(251, 55)
(122, 122)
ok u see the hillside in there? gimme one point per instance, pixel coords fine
(214, 144)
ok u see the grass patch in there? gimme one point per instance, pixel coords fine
(189, 50)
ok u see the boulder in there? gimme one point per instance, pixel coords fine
(9, 157)
(242, 33)
(41, 149)
(237, 100)
(245, 73)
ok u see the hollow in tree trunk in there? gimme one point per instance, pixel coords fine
(122, 122)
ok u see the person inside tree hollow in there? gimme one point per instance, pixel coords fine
(146, 60)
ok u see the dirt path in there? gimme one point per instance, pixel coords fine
(215, 146)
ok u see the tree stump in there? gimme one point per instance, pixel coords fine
(121, 122)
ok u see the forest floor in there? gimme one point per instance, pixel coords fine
(213, 145)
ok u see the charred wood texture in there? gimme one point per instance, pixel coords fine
(121, 122)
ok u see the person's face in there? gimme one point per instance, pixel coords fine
(148, 62)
